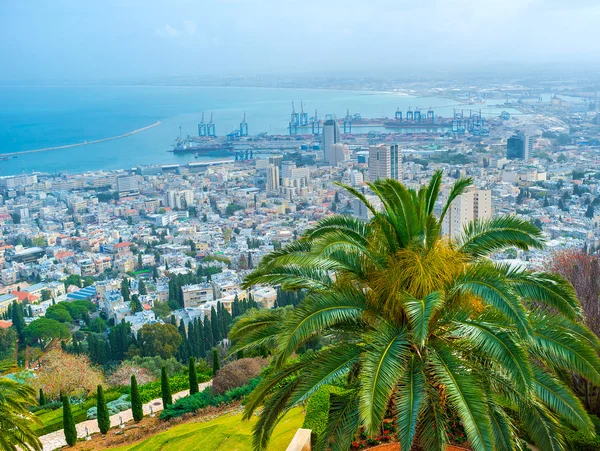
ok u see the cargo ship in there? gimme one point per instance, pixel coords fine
(199, 147)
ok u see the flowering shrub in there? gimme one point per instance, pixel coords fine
(122, 375)
(65, 373)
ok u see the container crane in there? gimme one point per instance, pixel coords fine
(210, 127)
(202, 127)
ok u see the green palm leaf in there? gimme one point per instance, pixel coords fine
(483, 237)
(562, 401)
(317, 312)
(466, 396)
(420, 312)
(485, 282)
(382, 367)
(342, 424)
(500, 346)
(410, 401)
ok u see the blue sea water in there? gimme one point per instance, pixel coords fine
(40, 117)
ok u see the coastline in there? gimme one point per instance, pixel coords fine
(84, 143)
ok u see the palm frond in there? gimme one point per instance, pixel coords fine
(465, 394)
(562, 401)
(500, 346)
(342, 424)
(382, 367)
(317, 312)
(257, 328)
(410, 401)
(485, 236)
(542, 426)
(485, 282)
(420, 312)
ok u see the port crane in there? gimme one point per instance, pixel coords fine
(348, 122)
(202, 127)
(316, 124)
(210, 127)
(303, 116)
(244, 126)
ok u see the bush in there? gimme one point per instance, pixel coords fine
(155, 364)
(114, 407)
(178, 383)
(48, 407)
(206, 398)
(52, 419)
(237, 373)
(317, 410)
(579, 442)
(122, 375)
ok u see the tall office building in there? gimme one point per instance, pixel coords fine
(338, 153)
(519, 146)
(469, 206)
(385, 162)
(331, 136)
(273, 179)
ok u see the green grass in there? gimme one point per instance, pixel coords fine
(228, 433)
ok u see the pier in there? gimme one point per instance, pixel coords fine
(84, 143)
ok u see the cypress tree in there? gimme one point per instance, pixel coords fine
(208, 337)
(216, 366)
(165, 388)
(68, 422)
(103, 416)
(214, 322)
(193, 377)
(192, 339)
(200, 338)
(136, 400)
(42, 398)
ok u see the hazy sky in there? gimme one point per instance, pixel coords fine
(97, 39)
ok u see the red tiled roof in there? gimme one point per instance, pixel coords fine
(24, 296)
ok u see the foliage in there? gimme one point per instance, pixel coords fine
(136, 401)
(205, 398)
(102, 412)
(52, 419)
(154, 365)
(158, 340)
(42, 398)
(583, 272)
(425, 324)
(68, 422)
(165, 388)
(193, 376)
(317, 410)
(8, 339)
(237, 373)
(44, 330)
(69, 374)
(178, 383)
(161, 309)
(118, 405)
(128, 369)
(215, 362)
(16, 422)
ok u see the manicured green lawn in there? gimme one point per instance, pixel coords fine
(224, 433)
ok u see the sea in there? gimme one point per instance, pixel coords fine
(41, 117)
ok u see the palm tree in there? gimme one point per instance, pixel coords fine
(423, 325)
(15, 419)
